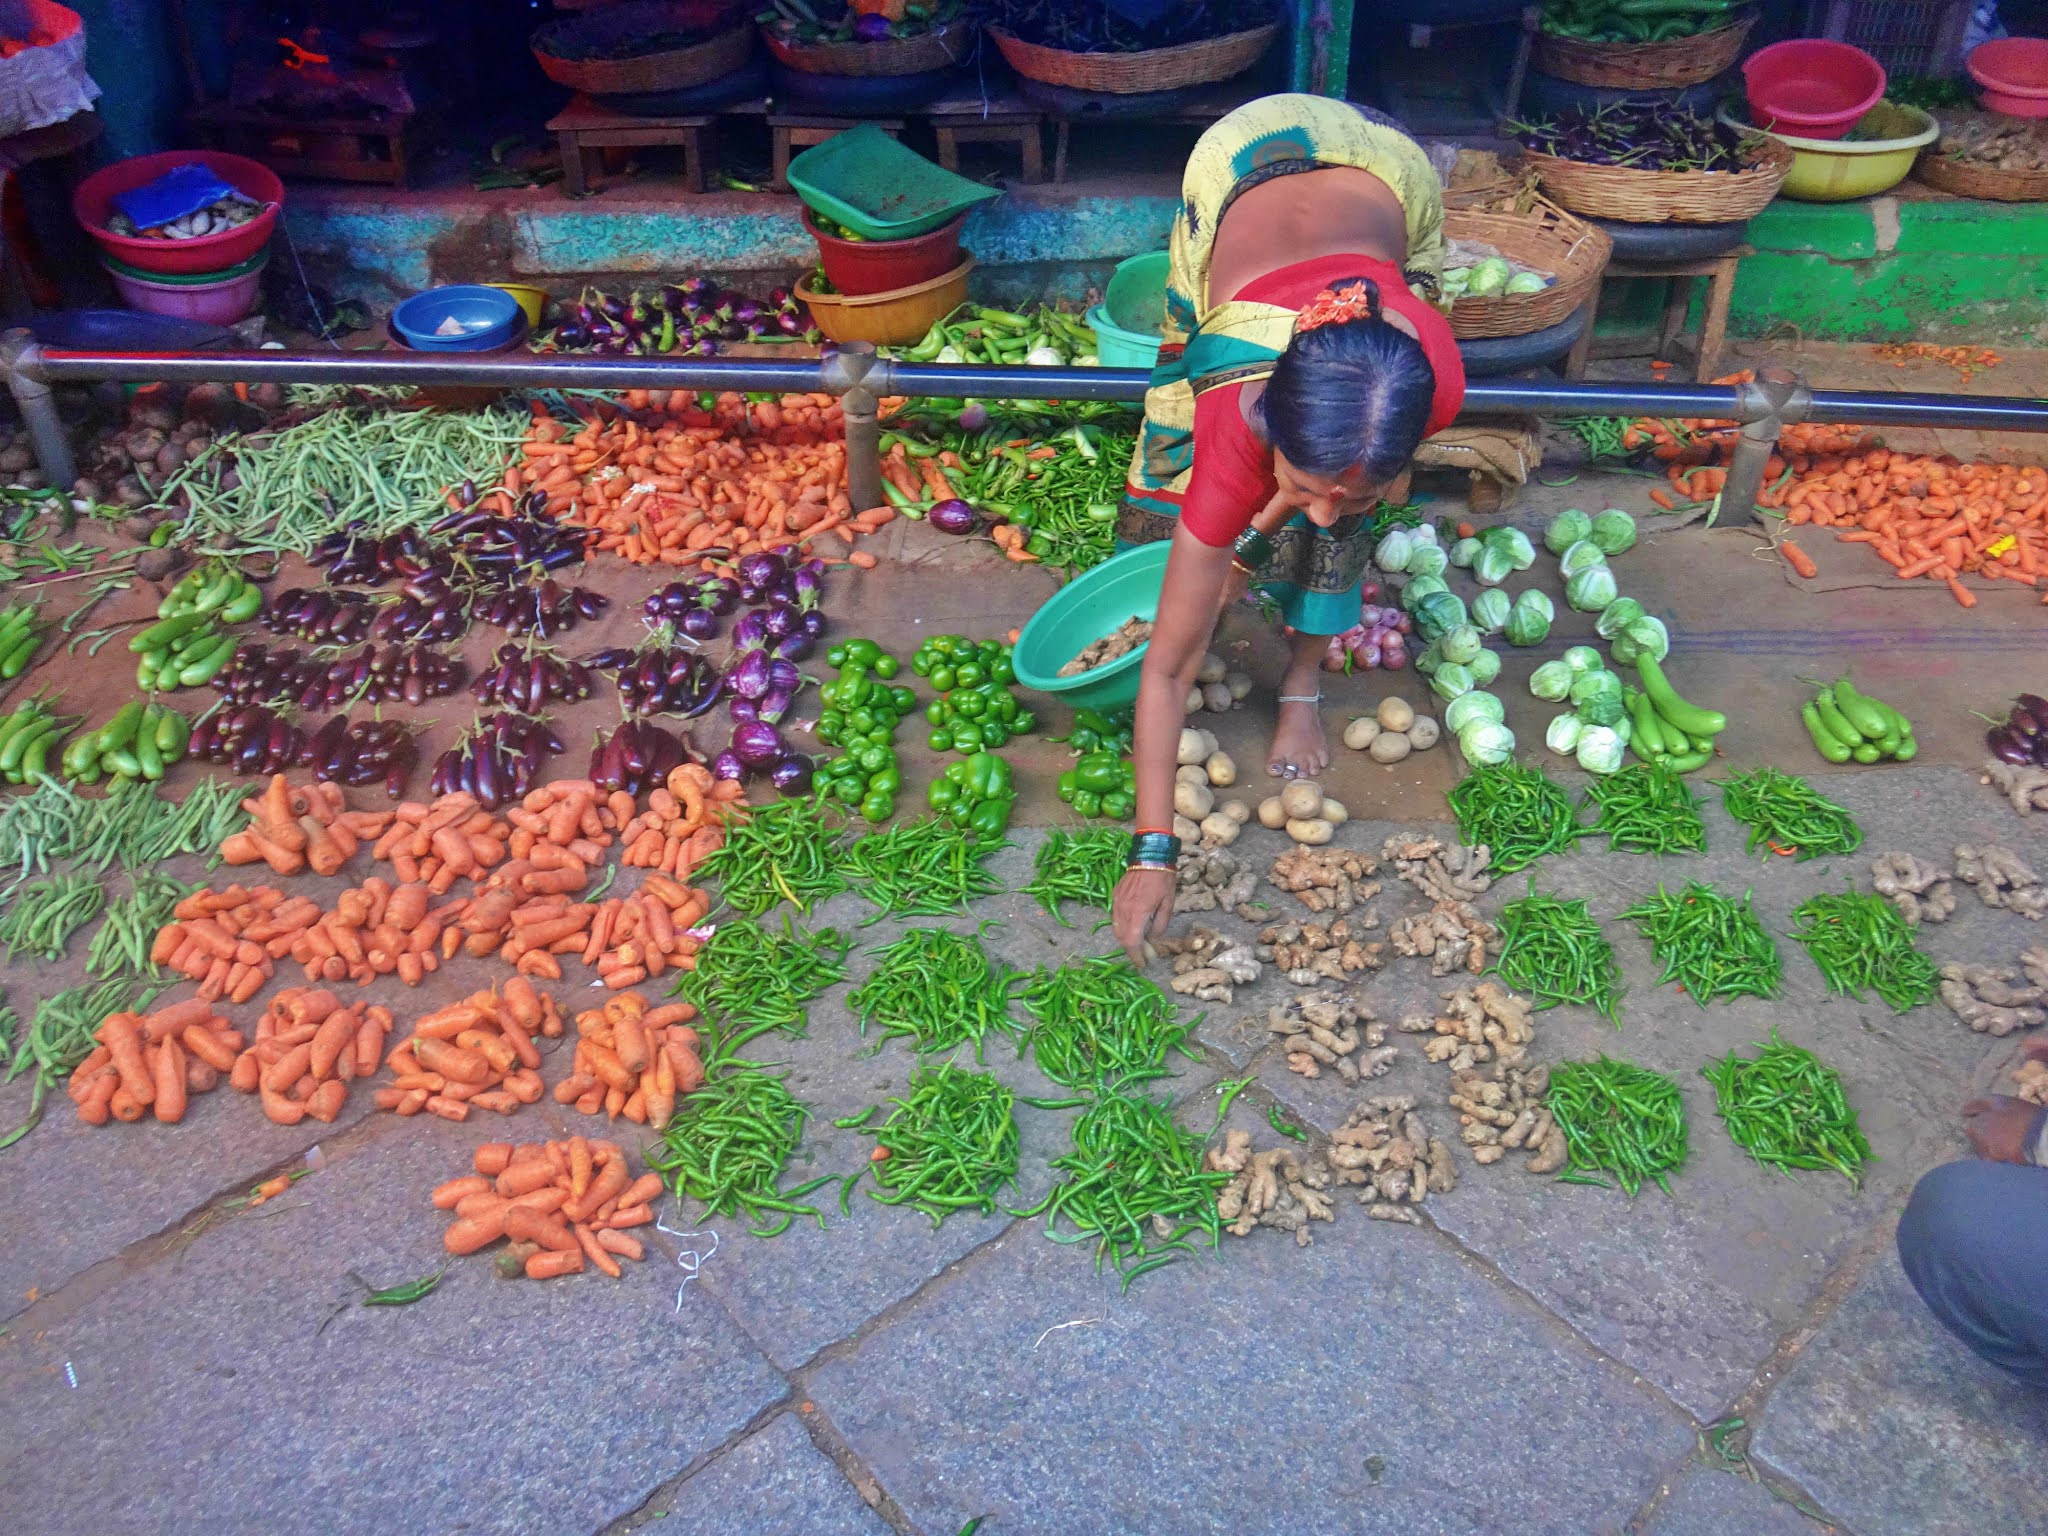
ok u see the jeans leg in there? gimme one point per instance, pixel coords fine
(1974, 1242)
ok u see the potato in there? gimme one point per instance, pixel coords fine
(1211, 670)
(1271, 814)
(1222, 770)
(1389, 746)
(1190, 748)
(1424, 733)
(1236, 810)
(1194, 704)
(1190, 773)
(1359, 733)
(1218, 830)
(1302, 798)
(1187, 831)
(1193, 801)
(1239, 684)
(1395, 715)
(1334, 812)
(1310, 830)
(1216, 698)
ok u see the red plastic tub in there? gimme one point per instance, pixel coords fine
(1812, 87)
(860, 267)
(93, 203)
(2012, 73)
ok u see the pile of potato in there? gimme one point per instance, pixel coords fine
(1204, 768)
(1304, 812)
(1217, 688)
(1392, 732)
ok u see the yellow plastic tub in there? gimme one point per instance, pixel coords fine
(1875, 158)
(529, 298)
(893, 318)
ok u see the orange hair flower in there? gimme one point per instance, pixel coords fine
(1339, 304)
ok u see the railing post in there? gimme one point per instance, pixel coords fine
(1783, 399)
(19, 355)
(845, 374)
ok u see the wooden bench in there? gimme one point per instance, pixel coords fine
(583, 125)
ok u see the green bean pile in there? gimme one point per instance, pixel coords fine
(1617, 1118)
(781, 852)
(749, 979)
(1859, 940)
(1554, 949)
(728, 1144)
(1516, 812)
(1132, 1165)
(1099, 1019)
(60, 1036)
(1785, 814)
(383, 469)
(40, 917)
(936, 989)
(1646, 809)
(920, 869)
(1787, 1110)
(1712, 945)
(124, 939)
(1082, 867)
(132, 827)
(950, 1144)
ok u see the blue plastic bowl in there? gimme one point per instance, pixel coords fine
(488, 317)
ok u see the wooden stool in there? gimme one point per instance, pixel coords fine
(1202, 107)
(583, 125)
(1720, 274)
(336, 149)
(794, 131)
(969, 118)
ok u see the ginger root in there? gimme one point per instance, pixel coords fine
(1921, 892)
(1326, 879)
(2002, 879)
(1281, 1187)
(1989, 999)
(1443, 874)
(1451, 933)
(1504, 1113)
(1209, 967)
(2025, 787)
(1327, 1029)
(1307, 953)
(1211, 880)
(1479, 1024)
(2030, 1082)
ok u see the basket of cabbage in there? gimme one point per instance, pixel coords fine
(1510, 274)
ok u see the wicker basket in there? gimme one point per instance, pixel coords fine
(940, 48)
(676, 70)
(1131, 74)
(1966, 178)
(1678, 61)
(1546, 238)
(1666, 197)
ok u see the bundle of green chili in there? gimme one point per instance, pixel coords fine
(1860, 940)
(1554, 949)
(1787, 1110)
(780, 852)
(60, 1036)
(1132, 1170)
(1099, 1020)
(1617, 1118)
(921, 869)
(747, 978)
(1081, 867)
(1516, 812)
(950, 1144)
(1788, 816)
(376, 468)
(727, 1145)
(936, 989)
(1645, 808)
(1712, 945)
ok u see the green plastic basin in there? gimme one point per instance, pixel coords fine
(880, 190)
(1092, 605)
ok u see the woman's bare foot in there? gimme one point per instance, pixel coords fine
(1300, 750)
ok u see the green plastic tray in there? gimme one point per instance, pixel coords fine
(865, 180)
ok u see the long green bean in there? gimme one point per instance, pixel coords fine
(124, 939)
(41, 917)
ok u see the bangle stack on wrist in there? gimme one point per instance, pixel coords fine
(1252, 550)
(1154, 849)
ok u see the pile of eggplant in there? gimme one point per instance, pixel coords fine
(396, 673)
(530, 680)
(662, 680)
(545, 609)
(690, 319)
(762, 677)
(345, 751)
(637, 756)
(497, 760)
(694, 606)
(2023, 739)
(320, 616)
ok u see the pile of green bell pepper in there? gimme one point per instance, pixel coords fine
(1094, 732)
(975, 709)
(862, 709)
(1634, 21)
(1101, 783)
(975, 794)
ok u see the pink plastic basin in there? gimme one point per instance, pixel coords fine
(221, 303)
(2012, 74)
(93, 203)
(1812, 87)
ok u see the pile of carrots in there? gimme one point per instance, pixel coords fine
(478, 1052)
(309, 1046)
(633, 1060)
(295, 830)
(230, 941)
(153, 1061)
(1965, 360)
(684, 486)
(558, 1202)
(684, 823)
(376, 929)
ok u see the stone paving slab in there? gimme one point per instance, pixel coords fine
(1708, 1502)
(1897, 1429)
(775, 1480)
(209, 1396)
(1371, 1382)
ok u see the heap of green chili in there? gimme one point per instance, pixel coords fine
(1787, 815)
(1645, 808)
(749, 978)
(1858, 940)
(1081, 867)
(920, 869)
(1617, 1119)
(1517, 812)
(950, 1144)
(1554, 949)
(1712, 945)
(1098, 1019)
(937, 990)
(1787, 1110)
(780, 852)
(728, 1144)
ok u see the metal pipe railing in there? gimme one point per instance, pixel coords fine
(860, 378)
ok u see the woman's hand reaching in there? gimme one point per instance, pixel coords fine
(1141, 909)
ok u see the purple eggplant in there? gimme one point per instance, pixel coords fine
(871, 28)
(780, 619)
(774, 705)
(757, 744)
(751, 632)
(2034, 705)
(698, 623)
(791, 774)
(749, 676)
(744, 711)
(796, 647)
(953, 516)
(727, 765)
(2008, 745)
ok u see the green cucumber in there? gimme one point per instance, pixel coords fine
(1825, 741)
(1685, 762)
(123, 760)
(34, 759)
(120, 730)
(146, 754)
(185, 647)
(1689, 718)
(172, 733)
(16, 656)
(1837, 723)
(17, 744)
(1649, 733)
(202, 669)
(80, 757)
(1862, 714)
(164, 631)
(243, 606)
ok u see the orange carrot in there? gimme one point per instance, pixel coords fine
(1798, 559)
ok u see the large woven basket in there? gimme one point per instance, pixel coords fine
(1546, 238)
(1130, 74)
(677, 69)
(1666, 197)
(1967, 178)
(940, 48)
(1678, 61)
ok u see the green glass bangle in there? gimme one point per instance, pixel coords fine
(1253, 548)
(1155, 850)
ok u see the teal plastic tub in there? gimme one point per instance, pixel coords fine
(868, 182)
(1133, 309)
(1092, 605)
